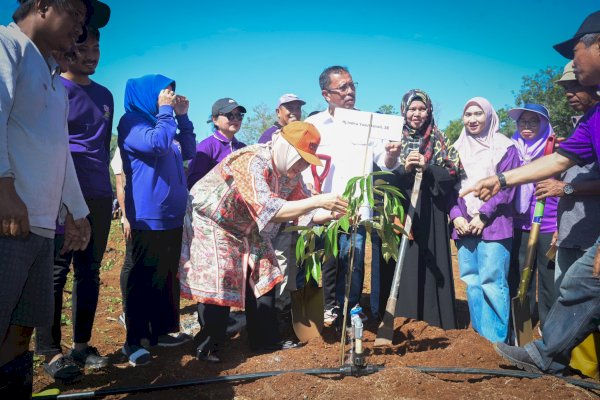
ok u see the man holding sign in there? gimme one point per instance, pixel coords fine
(339, 91)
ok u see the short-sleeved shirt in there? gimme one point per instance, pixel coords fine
(583, 146)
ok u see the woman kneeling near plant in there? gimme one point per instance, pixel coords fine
(233, 213)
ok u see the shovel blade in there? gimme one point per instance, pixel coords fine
(307, 312)
(521, 316)
(385, 333)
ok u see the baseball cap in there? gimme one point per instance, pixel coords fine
(568, 74)
(100, 15)
(590, 25)
(225, 105)
(288, 98)
(305, 138)
(515, 113)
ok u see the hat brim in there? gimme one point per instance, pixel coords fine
(302, 102)
(565, 48)
(310, 158)
(515, 113)
(231, 107)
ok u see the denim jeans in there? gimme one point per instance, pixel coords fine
(573, 316)
(358, 273)
(565, 257)
(484, 268)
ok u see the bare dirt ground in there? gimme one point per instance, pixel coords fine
(415, 344)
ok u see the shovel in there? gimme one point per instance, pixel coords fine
(521, 314)
(307, 302)
(385, 333)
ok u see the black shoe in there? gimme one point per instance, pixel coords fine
(64, 369)
(517, 356)
(89, 358)
(207, 356)
(173, 339)
(283, 345)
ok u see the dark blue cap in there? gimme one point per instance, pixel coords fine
(515, 113)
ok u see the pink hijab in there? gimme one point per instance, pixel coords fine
(480, 154)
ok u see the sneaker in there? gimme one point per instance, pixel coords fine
(137, 355)
(89, 358)
(208, 356)
(516, 356)
(173, 339)
(331, 315)
(64, 369)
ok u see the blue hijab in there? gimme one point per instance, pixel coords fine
(141, 95)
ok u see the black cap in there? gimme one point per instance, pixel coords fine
(590, 25)
(100, 15)
(225, 105)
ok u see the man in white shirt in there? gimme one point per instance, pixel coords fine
(37, 176)
(339, 90)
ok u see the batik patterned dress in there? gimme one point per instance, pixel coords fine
(227, 228)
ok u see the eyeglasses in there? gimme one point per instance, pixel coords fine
(529, 123)
(233, 116)
(344, 88)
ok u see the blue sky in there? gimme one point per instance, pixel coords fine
(256, 51)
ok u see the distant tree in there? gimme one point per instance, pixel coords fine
(453, 130)
(507, 125)
(262, 117)
(387, 109)
(541, 89)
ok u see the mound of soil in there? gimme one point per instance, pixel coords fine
(415, 344)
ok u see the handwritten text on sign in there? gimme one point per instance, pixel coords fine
(354, 125)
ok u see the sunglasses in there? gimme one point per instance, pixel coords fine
(344, 88)
(233, 116)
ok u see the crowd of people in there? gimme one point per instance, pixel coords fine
(214, 232)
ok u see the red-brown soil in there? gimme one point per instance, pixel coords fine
(415, 344)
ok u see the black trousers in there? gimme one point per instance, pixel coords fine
(125, 271)
(261, 322)
(152, 288)
(86, 283)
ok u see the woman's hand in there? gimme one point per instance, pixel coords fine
(166, 97)
(414, 159)
(332, 202)
(476, 225)
(462, 226)
(182, 105)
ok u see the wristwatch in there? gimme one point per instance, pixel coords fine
(502, 180)
(568, 189)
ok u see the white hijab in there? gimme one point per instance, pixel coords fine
(480, 154)
(284, 154)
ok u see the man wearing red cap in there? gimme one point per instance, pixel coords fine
(576, 312)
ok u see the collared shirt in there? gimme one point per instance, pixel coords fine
(34, 144)
(347, 158)
(209, 153)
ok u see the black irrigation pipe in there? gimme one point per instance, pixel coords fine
(342, 371)
(504, 372)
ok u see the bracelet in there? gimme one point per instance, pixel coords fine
(502, 180)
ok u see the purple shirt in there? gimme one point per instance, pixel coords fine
(209, 153)
(583, 146)
(548, 225)
(499, 209)
(90, 121)
(268, 134)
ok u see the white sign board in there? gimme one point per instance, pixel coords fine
(355, 125)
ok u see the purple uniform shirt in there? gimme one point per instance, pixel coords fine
(583, 146)
(90, 121)
(209, 153)
(268, 134)
(499, 209)
(548, 225)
